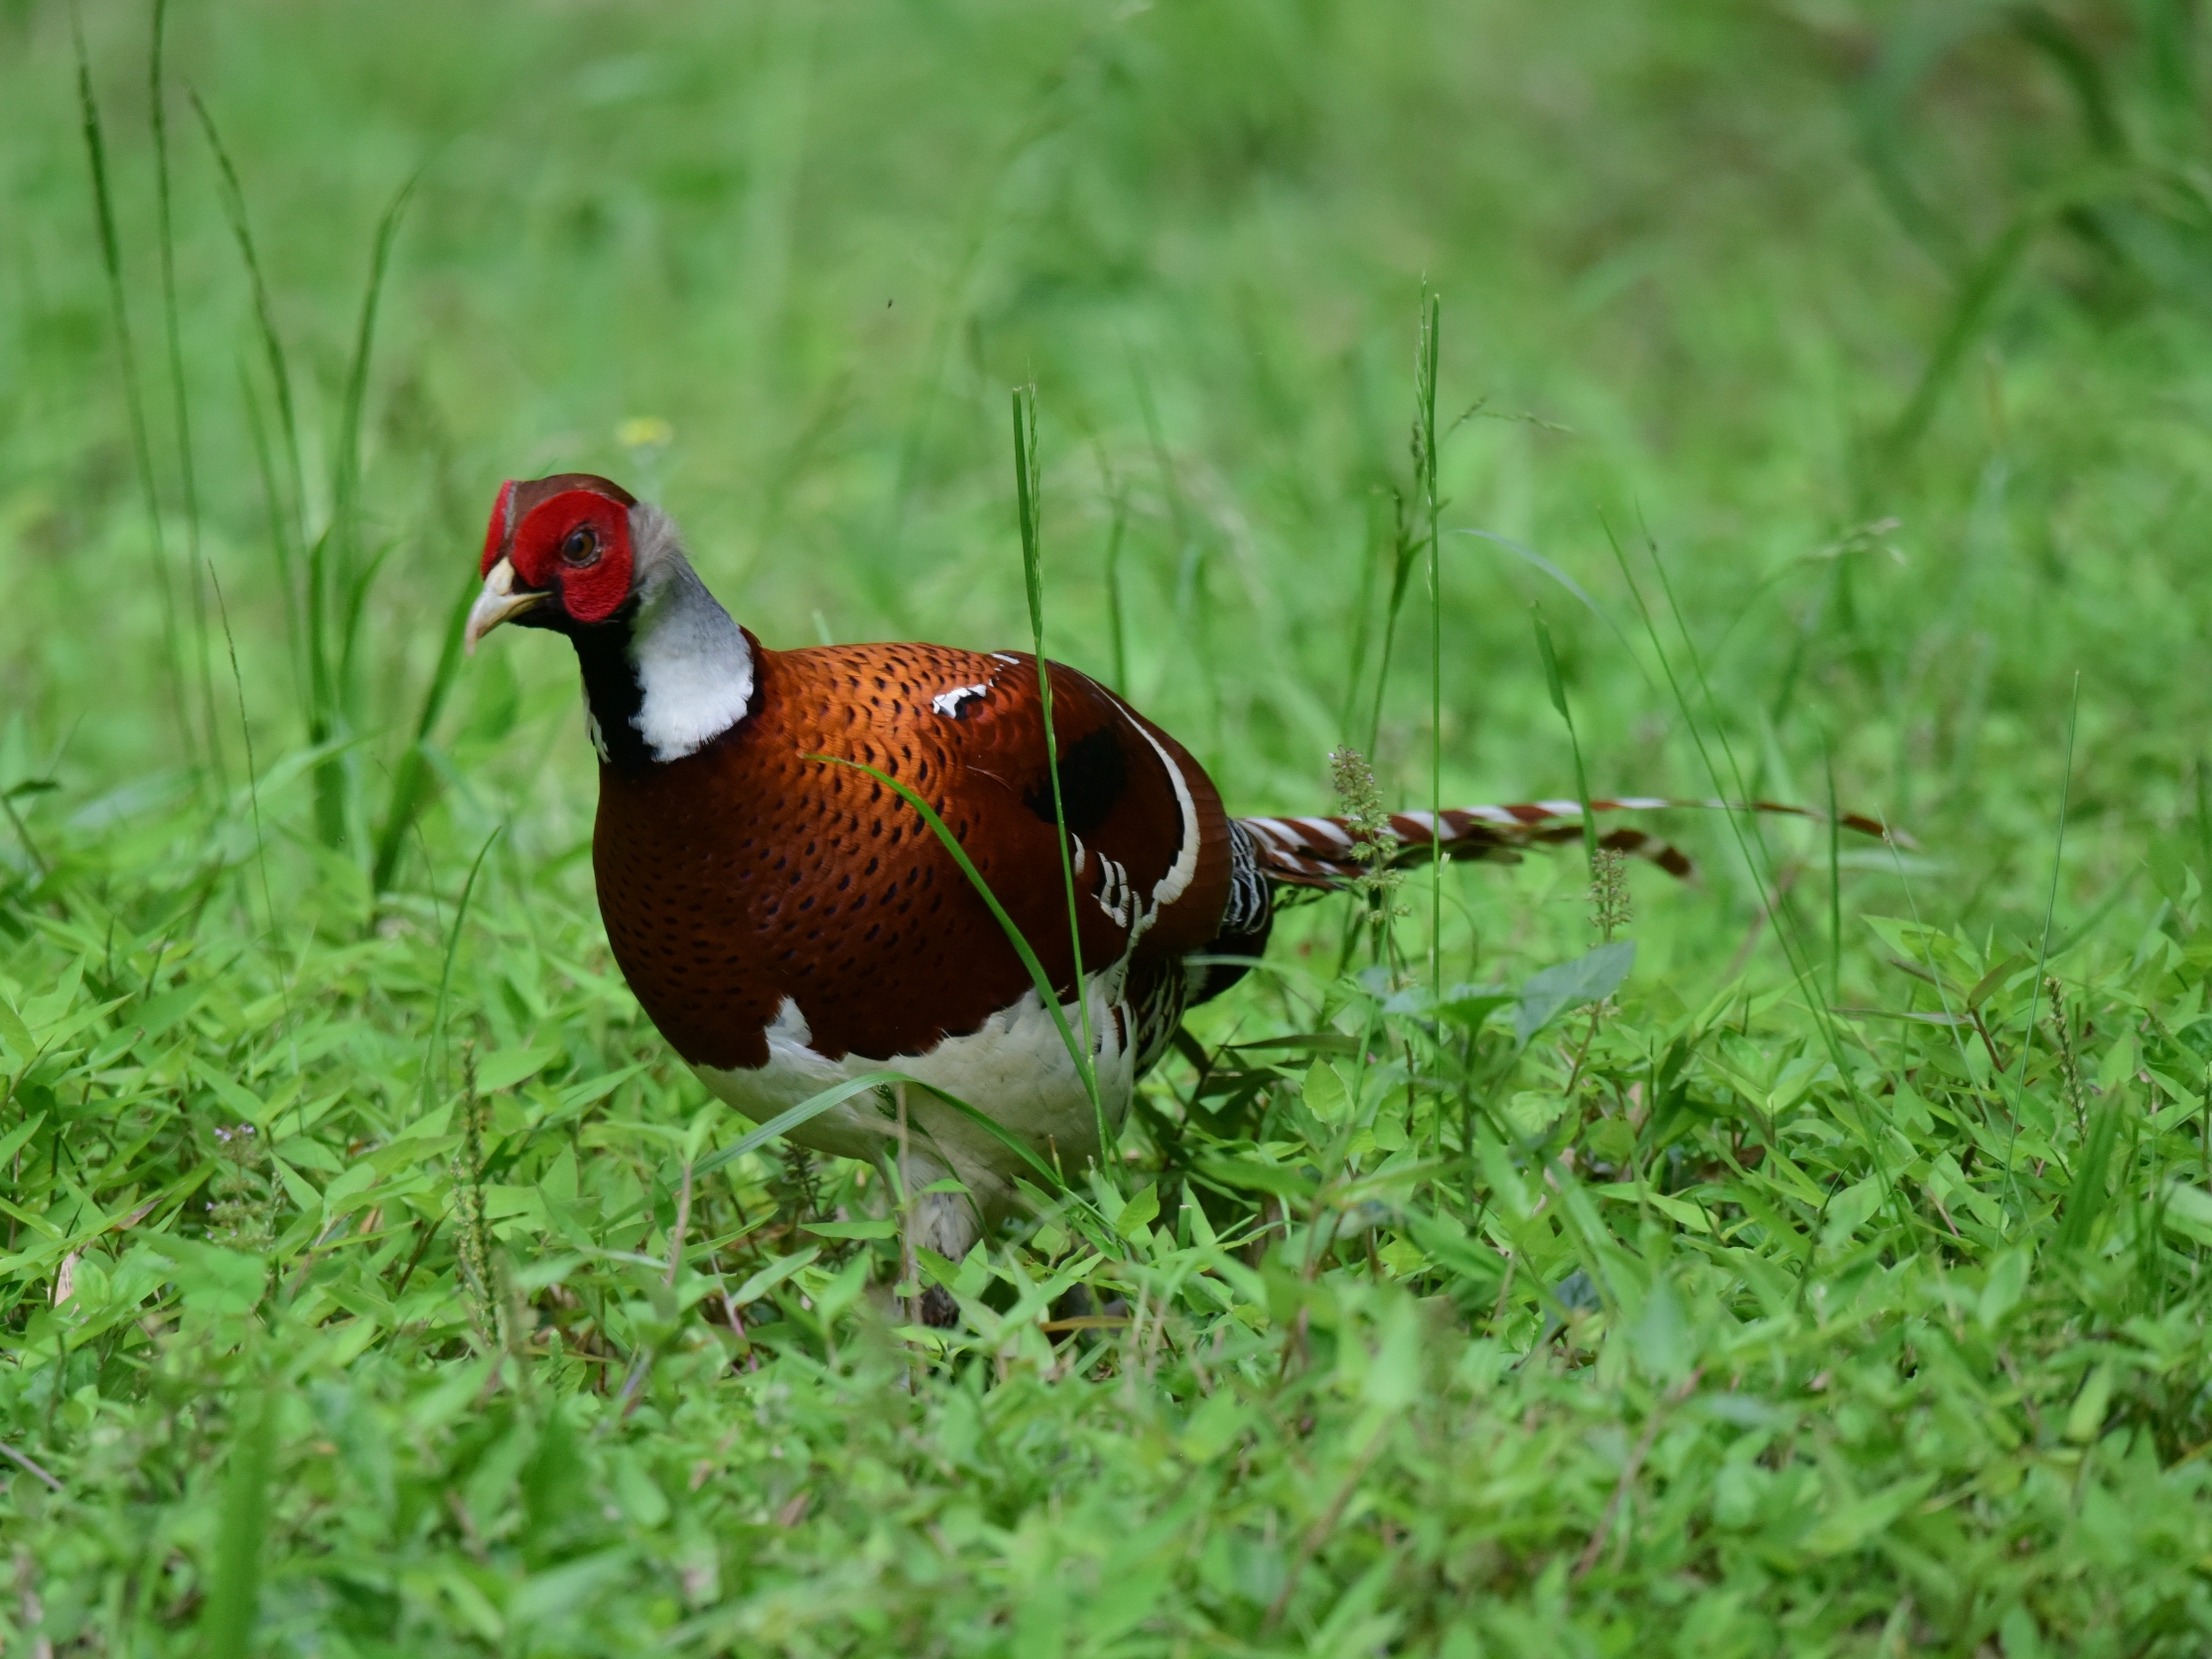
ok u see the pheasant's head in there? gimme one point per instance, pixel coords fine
(559, 554)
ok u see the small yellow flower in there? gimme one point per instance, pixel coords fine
(645, 432)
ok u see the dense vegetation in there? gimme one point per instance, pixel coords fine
(1806, 1258)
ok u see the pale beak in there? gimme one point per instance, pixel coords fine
(500, 600)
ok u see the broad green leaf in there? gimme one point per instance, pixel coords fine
(213, 1278)
(1850, 1210)
(301, 1192)
(773, 1275)
(15, 1034)
(507, 1067)
(249, 1107)
(2085, 1419)
(1586, 979)
(1139, 1214)
(15, 1140)
(1851, 1523)
(340, 1196)
(2002, 1290)
(883, 1227)
(1661, 1333)
(1212, 1428)
(1327, 1097)
(2188, 1210)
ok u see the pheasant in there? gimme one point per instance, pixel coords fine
(790, 922)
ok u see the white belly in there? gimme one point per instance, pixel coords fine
(1015, 1070)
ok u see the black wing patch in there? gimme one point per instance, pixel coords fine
(1093, 772)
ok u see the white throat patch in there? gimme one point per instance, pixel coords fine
(693, 665)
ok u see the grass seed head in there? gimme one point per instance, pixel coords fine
(1611, 906)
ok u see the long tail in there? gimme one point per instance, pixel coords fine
(1323, 852)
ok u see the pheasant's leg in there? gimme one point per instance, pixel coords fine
(943, 1222)
(939, 1221)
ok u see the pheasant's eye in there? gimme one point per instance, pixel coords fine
(580, 546)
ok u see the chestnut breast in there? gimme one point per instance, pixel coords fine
(759, 868)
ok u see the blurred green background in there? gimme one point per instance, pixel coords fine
(1887, 324)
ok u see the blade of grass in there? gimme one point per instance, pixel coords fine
(1976, 302)
(1558, 689)
(1759, 864)
(257, 433)
(272, 343)
(1748, 832)
(1190, 554)
(346, 482)
(2204, 824)
(1425, 477)
(310, 616)
(2043, 954)
(359, 584)
(1787, 926)
(2085, 1193)
(805, 1113)
(1552, 570)
(346, 474)
(234, 1587)
(433, 1060)
(1028, 503)
(1834, 882)
(1881, 105)
(310, 642)
(322, 708)
(1762, 863)
(1404, 550)
(112, 261)
(181, 403)
(253, 798)
(1115, 625)
(413, 777)
(1355, 670)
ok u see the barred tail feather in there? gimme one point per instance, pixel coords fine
(1323, 852)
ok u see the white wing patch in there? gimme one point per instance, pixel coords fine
(1114, 895)
(947, 703)
(1171, 885)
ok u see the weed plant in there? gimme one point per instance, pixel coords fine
(1554, 1259)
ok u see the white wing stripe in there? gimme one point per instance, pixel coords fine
(1171, 885)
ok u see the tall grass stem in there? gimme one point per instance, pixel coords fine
(433, 1065)
(253, 799)
(1557, 686)
(1115, 623)
(112, 261)
(1424, 457)
(1028, 491)
(233, 1603)
(1835, 882)
(188, 469)
(264, 315)
(2043, 951)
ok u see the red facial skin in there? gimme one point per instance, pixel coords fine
(573, 544)
(495, 537)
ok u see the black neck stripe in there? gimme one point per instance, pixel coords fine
(610, 688)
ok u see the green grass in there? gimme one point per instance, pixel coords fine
(375, 1284)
